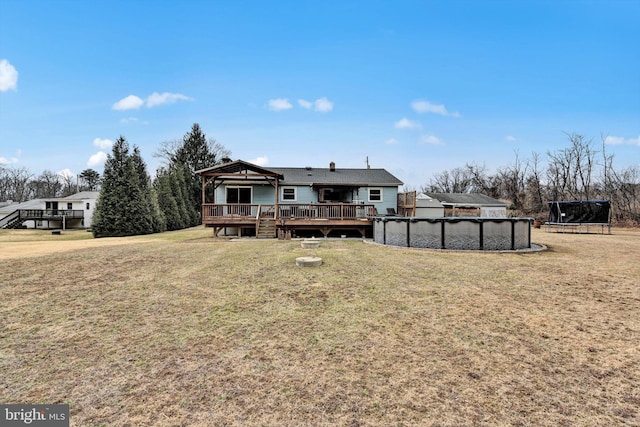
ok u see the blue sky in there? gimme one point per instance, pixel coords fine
(416, 86)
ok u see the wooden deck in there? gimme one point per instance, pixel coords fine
(17, 217)
(323, 217)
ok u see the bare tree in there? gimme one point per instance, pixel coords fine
(481, 181)
(69, 184)
(457, 180)
(14, 184)
(534, 187)
(47, 184)
(571, 170)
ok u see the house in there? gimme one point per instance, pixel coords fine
(283, 200)
(73, 211)
(470, 204)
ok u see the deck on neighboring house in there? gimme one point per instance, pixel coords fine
(269, 220)
(63, 216)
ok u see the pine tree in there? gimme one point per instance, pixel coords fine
(193, 152)
(125, 205)
(167, 200)
(145, 221)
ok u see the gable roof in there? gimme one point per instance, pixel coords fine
(467, 199)
(339, 176)
(83, 195)
(29, 204)
(236, 167)
(424, 201)
(307, 175)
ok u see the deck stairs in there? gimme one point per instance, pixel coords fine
(266, 228)
(13, 220)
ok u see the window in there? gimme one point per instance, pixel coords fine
(335, 194)
(375, 195)
(239, 195)
(289, 194)
(69, 206)
(88, 205)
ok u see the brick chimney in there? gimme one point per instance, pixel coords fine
(332, 167)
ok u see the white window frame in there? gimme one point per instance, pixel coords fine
(295, 194)
(369, 195)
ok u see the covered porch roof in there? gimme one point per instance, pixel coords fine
(239, 169)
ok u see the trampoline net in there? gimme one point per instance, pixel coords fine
(579, 212)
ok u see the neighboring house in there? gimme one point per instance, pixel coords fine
(419, 205)
(427, 206)
(74, 211)
(241, 195)
(470, 204)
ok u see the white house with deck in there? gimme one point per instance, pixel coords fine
(75, 211)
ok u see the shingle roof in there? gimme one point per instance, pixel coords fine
(83, 195)
(466, 199)
(309, 175)
(340, 176)
(30, 204)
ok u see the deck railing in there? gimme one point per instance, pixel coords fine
(21, 215)
(332, 211)
(51, 213)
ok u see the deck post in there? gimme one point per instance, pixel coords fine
(276, 214)
(204, 184)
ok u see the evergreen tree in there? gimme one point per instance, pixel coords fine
(124, 205)
(167, 200)
(146, 222)
(180, 190)
(194, 152)
(90, 180)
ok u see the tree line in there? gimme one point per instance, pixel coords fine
(578, 171)
(130, 201)
(20, 185)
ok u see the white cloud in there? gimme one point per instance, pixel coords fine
(103, 143)
(165, 98)
(323, 105)
(421, 106)
(430, 139)
(7, 161)
(634, 141)
(133, 102)
(10, 160)
(392, 141)
(279, 104)
(66, 173)
(8, 76)
(619, 140)
(130, 102)
(305, 104)
(510, 138)
(97, 159)
(260, 161)
(128, 120)
(405, 123)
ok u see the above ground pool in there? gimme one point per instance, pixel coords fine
(458, 233)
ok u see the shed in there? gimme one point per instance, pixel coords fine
(428, 206)
(470, 204)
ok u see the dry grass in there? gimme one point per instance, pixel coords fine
(185, 330)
